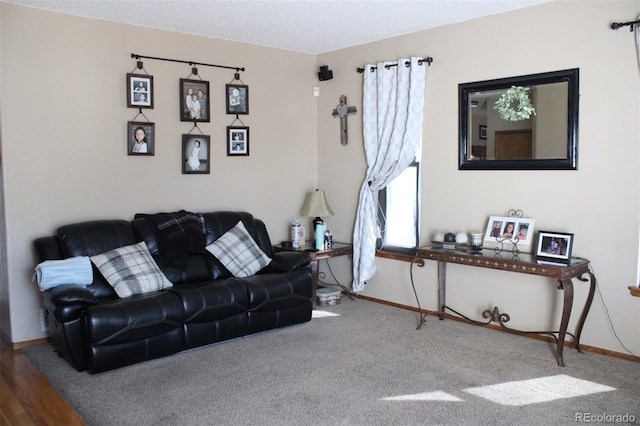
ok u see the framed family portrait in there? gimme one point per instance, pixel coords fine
(509, 228)
(141, 138)
(554, 247)
(139, 91)
(237, 99)
(237, 141)
(194, 100)
(196, 154)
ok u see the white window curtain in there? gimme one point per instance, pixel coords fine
(393, 109)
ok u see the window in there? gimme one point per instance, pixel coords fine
(400, 211)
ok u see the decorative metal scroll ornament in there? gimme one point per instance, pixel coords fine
(502, 240)
(495, 316)
(515, 105)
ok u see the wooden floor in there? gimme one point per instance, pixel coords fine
(26, 397)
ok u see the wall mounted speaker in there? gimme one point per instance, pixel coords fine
(325, 73)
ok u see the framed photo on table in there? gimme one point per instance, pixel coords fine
(237, 99)
(554, 247)
(194, 100)
(139, 91)
(237, 141)
(509, 228)
(141, 138)
(196, 154)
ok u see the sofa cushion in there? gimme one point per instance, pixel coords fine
(272, 292)
(125, 331)
(131, 270)
(95, 237)
(91, 238)
(238, 252)
(214, 310)
(216, 224)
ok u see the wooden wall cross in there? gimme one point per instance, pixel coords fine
(342, 111)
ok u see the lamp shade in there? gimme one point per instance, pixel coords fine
(316, 205)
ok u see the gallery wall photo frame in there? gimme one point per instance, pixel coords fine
(237, 141)
(141, 138)
(512, 228)
(139, 91)
(482, 132)
(194, 100)
(196, 154)
(237, 99)
(554, 247)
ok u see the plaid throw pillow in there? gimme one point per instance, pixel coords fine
(131, 270)
(238, 252)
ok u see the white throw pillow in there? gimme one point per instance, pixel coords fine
(131, 270)
(238, 252)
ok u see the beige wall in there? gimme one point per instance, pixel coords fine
(4, 277)
(599, 202)
(65, 158)
(64, 128)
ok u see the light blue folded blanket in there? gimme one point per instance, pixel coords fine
(74, 270)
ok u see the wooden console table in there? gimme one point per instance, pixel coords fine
(522, 263)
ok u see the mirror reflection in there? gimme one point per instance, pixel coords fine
(527, 122)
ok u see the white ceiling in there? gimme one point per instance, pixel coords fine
(308, 26)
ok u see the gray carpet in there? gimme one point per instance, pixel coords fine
(366, 366)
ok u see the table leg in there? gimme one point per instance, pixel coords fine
(442, 287)
(314, 282)
(567, 286)
(585, 310)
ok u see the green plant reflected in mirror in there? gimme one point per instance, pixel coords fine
(528, 122)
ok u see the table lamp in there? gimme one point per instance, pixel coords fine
(316, 205)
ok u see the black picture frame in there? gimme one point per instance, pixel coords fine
(554, 247)
(196, 155)
(190, 111)
(145, 147)
(482, 132)
(237, 99)
(139, 91)
(237, 141)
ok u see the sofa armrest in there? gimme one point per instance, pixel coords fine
(66, 295)
(287, 261)
(67, 302)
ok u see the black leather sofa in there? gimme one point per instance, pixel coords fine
(95, 330)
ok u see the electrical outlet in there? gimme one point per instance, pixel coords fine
(44, 320)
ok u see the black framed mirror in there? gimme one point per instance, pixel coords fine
(528, 122)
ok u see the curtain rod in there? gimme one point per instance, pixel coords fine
(616, 25)
(428, 60)
(137, 56)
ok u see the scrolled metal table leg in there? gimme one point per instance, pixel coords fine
(567, 286)
(442, 287)
(585, 309)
